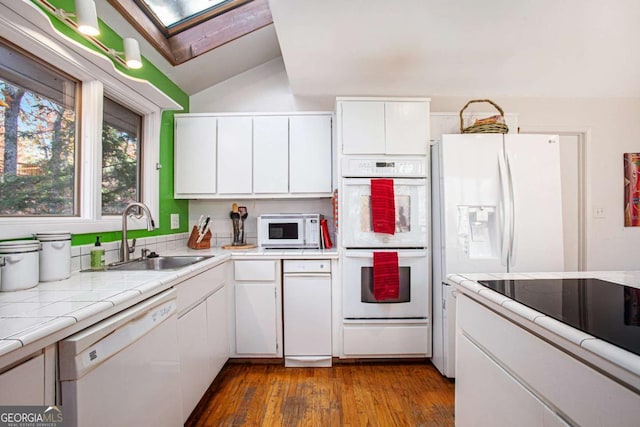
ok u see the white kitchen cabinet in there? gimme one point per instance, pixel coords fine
(362, 127)
(406, 127)
(195, 367)
(194, 156)
(253, 156)
(271, 155)
(506, 375)
(481, 383)
(393, 126)
(202, 333)
(24, 384)
(258, 308)
(217, 328)
(310, 154)
(235, 150)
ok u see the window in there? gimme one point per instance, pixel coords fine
(38, 120)
(79, 92)
(121, 157)
(172, 17)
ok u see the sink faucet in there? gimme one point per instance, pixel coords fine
(125, 249)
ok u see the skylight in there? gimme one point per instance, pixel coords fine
(173, 16)
(183, 29)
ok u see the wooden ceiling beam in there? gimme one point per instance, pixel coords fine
(200, 38)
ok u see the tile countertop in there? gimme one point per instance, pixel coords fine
(34, 318)
(612, 360)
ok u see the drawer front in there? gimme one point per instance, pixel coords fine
(263, 271)
(197, 288)
(578, 391)
(371, 340)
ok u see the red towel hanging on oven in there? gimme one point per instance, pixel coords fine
(386, 275)
(383, 206)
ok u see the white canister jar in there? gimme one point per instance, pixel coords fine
(55, 258)
(21, 265)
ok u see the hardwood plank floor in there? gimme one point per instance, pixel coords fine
(348, 394)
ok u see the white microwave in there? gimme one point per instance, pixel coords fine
(295, 231)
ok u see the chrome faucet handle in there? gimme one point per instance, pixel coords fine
(145, 252)
(132, 247)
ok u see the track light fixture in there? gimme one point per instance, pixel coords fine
(87, 17)
(131, 53)
(86, 24)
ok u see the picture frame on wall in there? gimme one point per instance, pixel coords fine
(631, 190)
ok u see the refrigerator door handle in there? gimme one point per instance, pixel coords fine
(512, 213)
(506, 209)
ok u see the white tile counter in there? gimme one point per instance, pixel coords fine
(34, 318)
(615, 362)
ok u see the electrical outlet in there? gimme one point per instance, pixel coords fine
(599, 212)
(175, 221)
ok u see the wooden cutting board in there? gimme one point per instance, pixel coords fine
(247, 246)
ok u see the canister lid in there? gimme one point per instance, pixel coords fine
(19, 246)
(53, 236)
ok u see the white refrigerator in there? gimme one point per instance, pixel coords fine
(497, 208)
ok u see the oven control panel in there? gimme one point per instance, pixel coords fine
(383, 166)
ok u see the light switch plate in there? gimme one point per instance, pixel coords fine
(598, 212)
(175, 221)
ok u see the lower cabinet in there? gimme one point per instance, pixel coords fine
(258, 308)
(202, 333)
(506, 375)
(481, 382)
(24, 384)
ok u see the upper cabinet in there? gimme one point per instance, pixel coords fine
(395, 126)
(195, 156)
(253, 156)
(309, 153)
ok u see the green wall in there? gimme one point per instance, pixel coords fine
(154, 76)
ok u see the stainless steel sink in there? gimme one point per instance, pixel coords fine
(159, 263)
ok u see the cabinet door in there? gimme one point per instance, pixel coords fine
(234, 155)
(217, 330)
(487, 395)
(407, 127)
(195, 372)
(195, 155)
(271, 154)
(256, 322)
(24, 384)
(310, 154)
(362, 127)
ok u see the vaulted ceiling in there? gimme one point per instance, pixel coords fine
(569, 48)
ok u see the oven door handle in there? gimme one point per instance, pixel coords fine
(402, 253)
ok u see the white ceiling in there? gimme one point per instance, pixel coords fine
(568, 48)
(547, 48)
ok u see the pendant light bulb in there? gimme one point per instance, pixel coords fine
(132, 53)
(87, 17)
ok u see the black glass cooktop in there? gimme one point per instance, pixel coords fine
(602, 309)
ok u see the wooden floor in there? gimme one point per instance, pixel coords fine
(350, 394)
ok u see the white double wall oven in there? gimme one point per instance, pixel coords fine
(399, 326)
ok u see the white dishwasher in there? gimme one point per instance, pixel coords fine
(125, 370)
(307, 313)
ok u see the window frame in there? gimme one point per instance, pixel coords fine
(33, 32)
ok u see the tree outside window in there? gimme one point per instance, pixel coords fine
(121, 157)
(37, 137)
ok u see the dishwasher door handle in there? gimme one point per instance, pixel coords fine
(307, 274)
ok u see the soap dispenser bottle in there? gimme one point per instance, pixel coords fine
(97, 255)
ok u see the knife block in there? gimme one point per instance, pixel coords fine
(205, 243)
